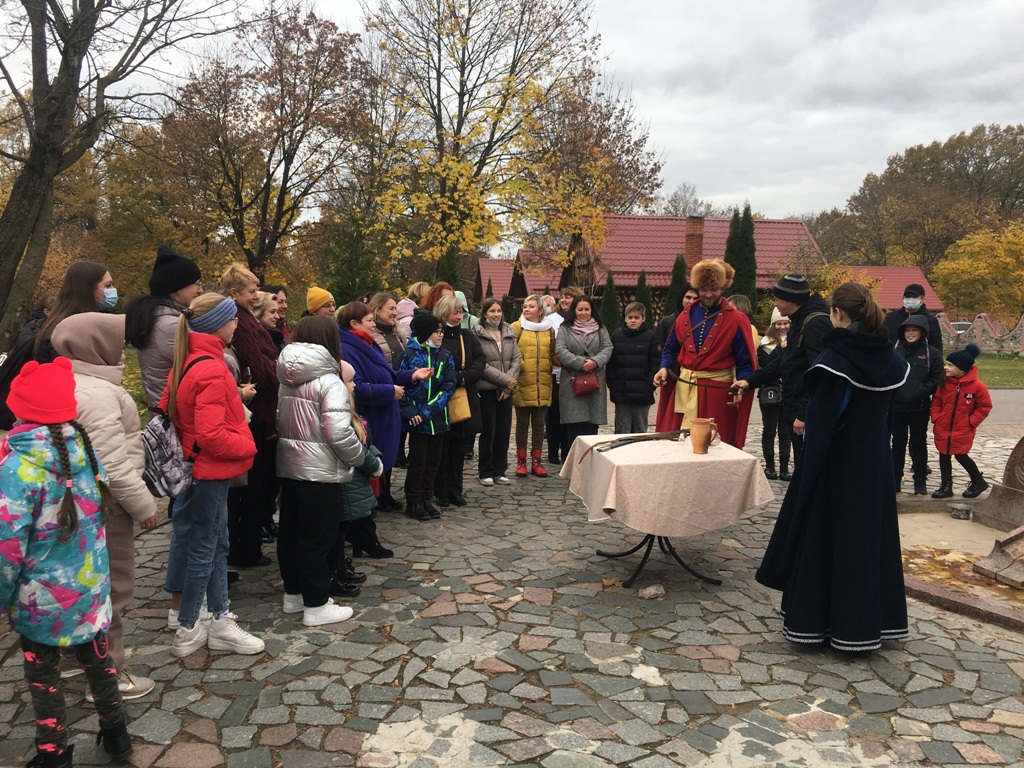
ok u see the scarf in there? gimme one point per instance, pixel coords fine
(529, 325)
(585, 329)
(364, 336)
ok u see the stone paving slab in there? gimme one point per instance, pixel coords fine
(496, 636)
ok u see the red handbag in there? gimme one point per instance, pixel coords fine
(585, 383)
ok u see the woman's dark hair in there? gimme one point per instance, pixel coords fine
(139, 317)
(353, 311)
(487, 303)
(275, 289)
(319, 329)
(859, 305)
(77, 295)
(593, 314)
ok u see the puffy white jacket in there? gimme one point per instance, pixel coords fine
(316, 440)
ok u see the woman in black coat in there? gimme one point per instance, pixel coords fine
(835, 551)
(469, 358)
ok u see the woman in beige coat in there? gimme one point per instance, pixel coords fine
(500, 379)
(94, 342)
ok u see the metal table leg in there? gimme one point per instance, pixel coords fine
(665, 545)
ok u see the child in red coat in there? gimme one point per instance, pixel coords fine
(961, 403)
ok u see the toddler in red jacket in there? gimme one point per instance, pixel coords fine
(961, 403)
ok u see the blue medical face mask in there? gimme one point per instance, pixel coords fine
(109, 298)
(433, 344)
(911, 305)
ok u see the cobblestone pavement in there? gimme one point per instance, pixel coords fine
(496, 636)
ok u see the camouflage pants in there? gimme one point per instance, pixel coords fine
(42, 673)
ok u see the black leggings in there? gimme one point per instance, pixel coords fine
(771, 415)
(42, 673)
(946, 467)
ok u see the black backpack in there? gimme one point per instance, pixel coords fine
(10, 367)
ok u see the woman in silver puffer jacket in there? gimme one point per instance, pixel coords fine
(316, 453)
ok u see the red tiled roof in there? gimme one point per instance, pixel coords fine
(635, 243)
(892, 281)
(499, 272)
(651, 243)
(539, 272)
(781, 244)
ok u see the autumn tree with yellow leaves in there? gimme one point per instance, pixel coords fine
(984, 272)
(469, 76)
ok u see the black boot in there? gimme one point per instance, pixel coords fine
(431, 510)
(340, 588)
(349, 574)
(416, 511)
(920, 488)
(63, 760)
(116, 741)
(769, 469)
(976, 488)
(945, 490)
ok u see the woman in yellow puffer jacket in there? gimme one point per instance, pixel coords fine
(532, 396)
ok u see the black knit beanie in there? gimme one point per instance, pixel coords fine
(172, 272)
(794, 288)
(964, 358)
(423, 325)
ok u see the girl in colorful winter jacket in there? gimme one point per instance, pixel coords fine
(54, 572)
(960, 404)
(425, 412)
(203, 402)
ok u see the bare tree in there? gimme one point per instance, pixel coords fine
(259, 134)
(80, 51)
(684, 201)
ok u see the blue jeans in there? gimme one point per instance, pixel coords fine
(197, 563)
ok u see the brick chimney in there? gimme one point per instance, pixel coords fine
(694, 248)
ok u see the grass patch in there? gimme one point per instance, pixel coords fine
(999, 369)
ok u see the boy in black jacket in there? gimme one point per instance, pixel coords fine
(912, 403)
(636, 357)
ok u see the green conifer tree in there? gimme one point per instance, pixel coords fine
(645, 297)
(675, 286)
(448, 268)
(507, 308)
(490, 289)
(610, 304)
(746, 267)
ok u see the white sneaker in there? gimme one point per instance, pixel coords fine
(226, 635)
(502, 480)
(188, 641)
(328, 613)
(486, 481)
(172, 617)
(293, 604)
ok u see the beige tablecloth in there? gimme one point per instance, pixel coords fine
(663, 487)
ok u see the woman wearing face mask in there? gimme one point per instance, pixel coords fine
(87, 287)
(501, 374)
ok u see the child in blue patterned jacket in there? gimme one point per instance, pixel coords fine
(54, 572)
(425, 412)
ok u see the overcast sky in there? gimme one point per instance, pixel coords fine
(789, 103)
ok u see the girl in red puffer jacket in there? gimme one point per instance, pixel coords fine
(961, 403)
(202, 400)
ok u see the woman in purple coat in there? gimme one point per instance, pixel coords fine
(378, 387)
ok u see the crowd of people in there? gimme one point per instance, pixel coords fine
(294, 434)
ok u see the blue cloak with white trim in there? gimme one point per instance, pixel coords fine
(835, 551)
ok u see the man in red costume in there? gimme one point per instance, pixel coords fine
(711, 341)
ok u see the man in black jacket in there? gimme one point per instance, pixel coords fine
(913, 304)
(809, 322)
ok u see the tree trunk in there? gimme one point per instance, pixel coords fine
(19, 286)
